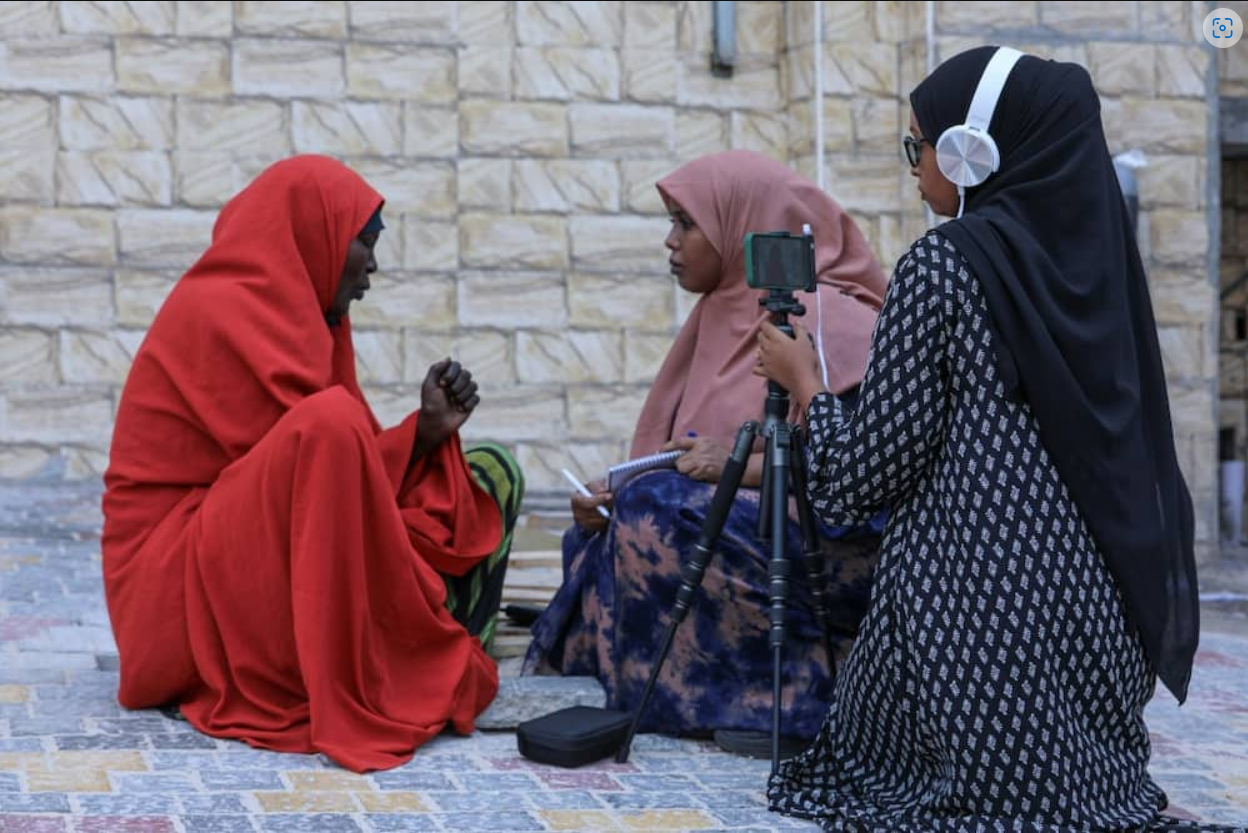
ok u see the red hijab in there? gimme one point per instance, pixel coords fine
(706, 383)
(240, 340)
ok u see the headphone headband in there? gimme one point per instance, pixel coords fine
(991, 83)
(966, 153)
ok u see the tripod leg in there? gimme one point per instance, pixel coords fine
(694, 568)
(763, 534)
(812, 553)
(779, 460)
(776, 409)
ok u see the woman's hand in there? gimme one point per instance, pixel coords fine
(703, 459)
(790, 362)
(585, 511)
(448, 397)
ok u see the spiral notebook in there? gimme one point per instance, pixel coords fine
(620, 474)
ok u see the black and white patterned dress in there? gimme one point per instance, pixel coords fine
(995, 684)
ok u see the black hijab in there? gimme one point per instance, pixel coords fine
(1048, 239)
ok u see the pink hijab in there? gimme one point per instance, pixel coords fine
(706, 384)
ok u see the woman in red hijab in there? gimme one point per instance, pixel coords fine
(621, 577)
(275, 563)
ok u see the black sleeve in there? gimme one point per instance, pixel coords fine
(898, 426)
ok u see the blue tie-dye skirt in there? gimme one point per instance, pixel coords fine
(619, 587)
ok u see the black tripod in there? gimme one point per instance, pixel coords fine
(784, 468)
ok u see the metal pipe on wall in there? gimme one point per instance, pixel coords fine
(723, 37)
(820, 178)
(929, 33)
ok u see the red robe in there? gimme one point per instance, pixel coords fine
(271, 560)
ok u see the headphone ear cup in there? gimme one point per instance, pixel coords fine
(966, 156)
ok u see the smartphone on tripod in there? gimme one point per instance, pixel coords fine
(779, 261)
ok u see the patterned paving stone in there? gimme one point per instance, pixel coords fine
(72, 760)
(579, 820)
(194, 761)
(123, 824)
(306, 802)
(27, 674)
(241, 779)
(658, 783)
(67, 781)
(664, 763)
(400, 823)
(14, 711)
(216, 824)
(478, 801)
(14, 823)
(213, 804)
(506, 820)
(155, 783)
(10, 694)
(70, 742)
(131, 725)
(409, 779)
(182, 740)
(126, 805)
(91, 708)
(19, 727)
(728, 781)
(440, 762)
(667, 820)
(756, 817)
(307, 823)
(651, 801)
(566, 800)
(113, 761)
(241, 755)
(557, 779)
(735, 799)
(335, 779)
(33, 803)
(1236, 816)
(489, 782)
(392, 802)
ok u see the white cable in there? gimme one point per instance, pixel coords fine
(837, 416)
(823, 365)
(820, 179)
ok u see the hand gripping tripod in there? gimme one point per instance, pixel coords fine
(784, 470)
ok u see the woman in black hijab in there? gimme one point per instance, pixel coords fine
(1037, 576)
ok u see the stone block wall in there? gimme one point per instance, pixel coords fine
(518, 144)
(868, 51)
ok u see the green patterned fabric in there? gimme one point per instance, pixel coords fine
(474, 598)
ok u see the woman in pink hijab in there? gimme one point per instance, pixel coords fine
(621, 575)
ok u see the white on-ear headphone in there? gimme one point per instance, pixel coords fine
(965, 153)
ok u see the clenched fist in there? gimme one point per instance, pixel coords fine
(448, 397)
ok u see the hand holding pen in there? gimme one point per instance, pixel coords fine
(589, 505)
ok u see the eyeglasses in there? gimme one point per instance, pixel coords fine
(913, 147)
